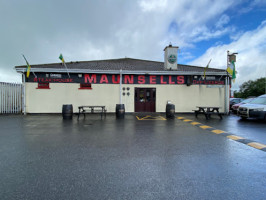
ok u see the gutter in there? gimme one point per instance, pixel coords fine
(49, 70)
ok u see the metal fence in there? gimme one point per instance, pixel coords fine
(10, 98)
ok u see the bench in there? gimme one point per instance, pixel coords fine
(92, 109)
(208, 111)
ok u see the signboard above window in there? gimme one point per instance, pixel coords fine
(90, 78)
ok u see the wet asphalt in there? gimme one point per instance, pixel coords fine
(46, 157)
(252, 129)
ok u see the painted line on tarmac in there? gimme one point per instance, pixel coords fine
(149, 117)
(231, 136)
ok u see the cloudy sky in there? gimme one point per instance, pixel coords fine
(108, 29)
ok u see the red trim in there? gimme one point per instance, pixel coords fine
(85, 86)
(43, 86)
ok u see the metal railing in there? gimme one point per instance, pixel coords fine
(11, 98)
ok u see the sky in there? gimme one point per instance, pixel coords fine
(85, 30)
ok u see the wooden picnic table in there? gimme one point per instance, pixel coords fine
(208, 111)
(92, 109)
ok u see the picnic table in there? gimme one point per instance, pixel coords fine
(208, 111)
(92, 109)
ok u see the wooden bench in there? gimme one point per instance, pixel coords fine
(208, 111)
(92, 109)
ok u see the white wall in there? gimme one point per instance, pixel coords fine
(185, 98)
(51, 100)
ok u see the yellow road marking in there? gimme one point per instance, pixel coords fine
(161, 118)
(153, 118)
(257, 145)
(234, 137)
(147, 116)
(205, 127)
(194, 123)
(218, 131)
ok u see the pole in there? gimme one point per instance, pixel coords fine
(66, 69)
(225, 96)
(226, 86)
(24, 93)
(120, 93)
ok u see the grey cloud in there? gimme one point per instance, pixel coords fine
(87, 30)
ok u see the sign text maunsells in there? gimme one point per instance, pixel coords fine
(126, 79)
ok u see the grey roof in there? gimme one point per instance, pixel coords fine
(126, 64)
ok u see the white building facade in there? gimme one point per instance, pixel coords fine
(145, 86)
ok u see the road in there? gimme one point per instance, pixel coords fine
(251, 128)
(45, 157)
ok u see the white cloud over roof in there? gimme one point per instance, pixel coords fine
(88, 30)
(251, 49)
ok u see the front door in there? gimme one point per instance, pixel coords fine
(145, 99)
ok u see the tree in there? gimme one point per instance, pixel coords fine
(251, 88)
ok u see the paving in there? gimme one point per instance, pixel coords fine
(46, 157)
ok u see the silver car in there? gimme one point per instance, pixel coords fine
(255, 109)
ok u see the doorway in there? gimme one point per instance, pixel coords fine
(145, 99)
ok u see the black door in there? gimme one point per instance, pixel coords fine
(145, 99)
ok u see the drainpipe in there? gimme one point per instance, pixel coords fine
(225, 96)
(24, 93)
(120, 87)
(120, 108)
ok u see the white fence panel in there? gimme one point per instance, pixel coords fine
(10, 98)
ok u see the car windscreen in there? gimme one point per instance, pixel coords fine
(259, 100)
(247, 100)
(235, 100)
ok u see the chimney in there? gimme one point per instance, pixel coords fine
(170, 57)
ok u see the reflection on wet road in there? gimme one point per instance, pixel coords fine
(44, 157)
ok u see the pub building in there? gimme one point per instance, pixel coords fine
(141, 85)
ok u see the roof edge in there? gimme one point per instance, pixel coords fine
(48, 70)
(106, 60)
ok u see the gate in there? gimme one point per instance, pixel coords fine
(10, 98)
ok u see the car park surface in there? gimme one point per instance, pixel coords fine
(45, 157)
(252, 129)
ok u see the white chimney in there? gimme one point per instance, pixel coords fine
(170, 57)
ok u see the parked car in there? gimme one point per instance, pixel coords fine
(255, 109)
(234, 101)
(235, 107)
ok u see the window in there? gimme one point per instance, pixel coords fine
(85, 86)
(43, 86)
